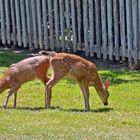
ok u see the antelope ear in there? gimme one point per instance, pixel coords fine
(107, 83)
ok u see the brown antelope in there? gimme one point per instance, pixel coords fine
(24, 71)
(79, 69)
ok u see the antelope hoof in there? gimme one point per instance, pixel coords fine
(87, 109)
(14, 106)
(4, 106)
(47, 107)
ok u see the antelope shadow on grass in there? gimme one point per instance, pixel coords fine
(99, 110)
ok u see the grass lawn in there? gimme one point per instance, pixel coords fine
(68, 121)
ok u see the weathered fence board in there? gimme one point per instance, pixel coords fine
(13, 21)
(56, 17)
(79, 23)
(73, 25)
(2, 22)
(23, 23)
(85, 18)
(34, 23)
(62, 25)
(129, 30)
(110, 27)
(18, 22)
(122, 29)
(98, 27)
(102, 28)
(116, 29)
(135, 28)
(51, 30)
(7, 14)
(68, 24)
(39, 23)
(29, 26)
(45, 24)
(91, 28)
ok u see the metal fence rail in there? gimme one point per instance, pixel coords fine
(106, 28)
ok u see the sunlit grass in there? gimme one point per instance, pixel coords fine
(68, 120)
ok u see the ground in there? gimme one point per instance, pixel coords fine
(68, 120)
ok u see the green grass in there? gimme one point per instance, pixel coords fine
(68, 121)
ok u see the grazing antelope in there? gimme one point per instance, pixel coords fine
(79, 69)
(22, 72)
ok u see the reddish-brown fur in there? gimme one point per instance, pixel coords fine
(79, 69)
(24, 71)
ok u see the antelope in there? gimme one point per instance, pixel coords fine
(78, 69)
(22, 72)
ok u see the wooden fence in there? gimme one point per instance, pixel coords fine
(109, 29)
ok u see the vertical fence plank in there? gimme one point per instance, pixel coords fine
(129, 30)
(51, 24)
(39, 23)
(98, 27)
(2, 22)
(23, 22)
(68, 25)
(34, 22)
(13, 21)
(7, 14)
(135, 29)
(122, 29)
(110, 27)
(45, 24)
(73, 25)
(79, 22)
(18, 22)
(91, 26)
(104, 27)
(85, 18)
(139, 28)
(56, 17)
(29, 26)
(116, 28)
(62, 25)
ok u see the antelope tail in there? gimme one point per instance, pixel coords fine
(49, 53)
